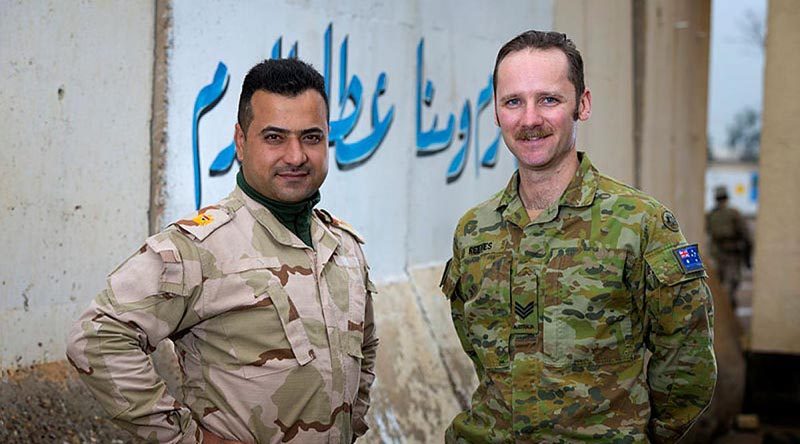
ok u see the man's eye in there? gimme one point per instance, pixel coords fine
(513, 102)
(312, 139)
(550, 100)
(273, 138)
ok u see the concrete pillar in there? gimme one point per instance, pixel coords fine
(776, 299)
(603, 32)
(673, 110)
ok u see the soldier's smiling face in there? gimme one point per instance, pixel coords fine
(535, 107)
(284, 151)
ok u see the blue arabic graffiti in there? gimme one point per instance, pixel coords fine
(207, 98)
(435, 140)
(350, 154)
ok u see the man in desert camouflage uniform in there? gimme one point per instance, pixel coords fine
(267, 300)
(561, 281)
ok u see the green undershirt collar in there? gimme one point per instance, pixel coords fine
(296, 217)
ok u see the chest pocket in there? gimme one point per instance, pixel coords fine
(486, 287)
(260, 321)
(588, 307)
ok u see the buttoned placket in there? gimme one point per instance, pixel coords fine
(326, 243)
(530, 260)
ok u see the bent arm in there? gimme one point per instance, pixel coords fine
(682, 371)
(110, 345)
(369, 349)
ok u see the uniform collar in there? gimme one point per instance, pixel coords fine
(320, 235)
(579, 193)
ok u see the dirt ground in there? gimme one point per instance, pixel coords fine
(49, 404)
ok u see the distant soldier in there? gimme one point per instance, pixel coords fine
(561, 281)
(267, 299)
(730, 242)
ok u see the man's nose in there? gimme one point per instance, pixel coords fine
(532, 116)
(295, 154)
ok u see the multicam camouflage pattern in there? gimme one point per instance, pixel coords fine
(275, 340)
(730, 245)
(556, 315)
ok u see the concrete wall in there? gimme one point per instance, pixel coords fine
(675, 35)
(74, 172)
(398, 195)
(776, 299)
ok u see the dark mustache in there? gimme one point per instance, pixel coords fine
(532, 133)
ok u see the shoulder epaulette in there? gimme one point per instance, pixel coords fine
(332, 220)
(205, 221)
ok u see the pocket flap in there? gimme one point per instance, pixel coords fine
(171, 280)
(249, 263)
(353, 340)
(292, 324)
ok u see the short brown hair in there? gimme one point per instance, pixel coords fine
(546, 40)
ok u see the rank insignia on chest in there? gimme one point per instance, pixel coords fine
(689, 258)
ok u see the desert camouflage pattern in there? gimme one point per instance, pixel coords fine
(556, 315)
(275, 340)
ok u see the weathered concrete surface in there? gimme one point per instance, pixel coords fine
(776, 300)
(419, 360)
(75, 91)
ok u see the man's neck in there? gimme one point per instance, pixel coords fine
(539, 189)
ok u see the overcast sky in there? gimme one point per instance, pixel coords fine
(736, 73)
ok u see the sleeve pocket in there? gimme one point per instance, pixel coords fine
(666, 268)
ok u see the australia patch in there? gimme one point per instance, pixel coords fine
(689, 258)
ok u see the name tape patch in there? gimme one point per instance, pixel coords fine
(480, 248)
(689, 258)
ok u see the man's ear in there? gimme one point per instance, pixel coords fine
(239, 138)
(585, 105)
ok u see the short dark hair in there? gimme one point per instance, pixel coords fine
(546, 40)
(287, 77)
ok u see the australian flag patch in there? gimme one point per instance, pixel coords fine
(689, 258)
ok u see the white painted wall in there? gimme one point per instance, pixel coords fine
(741, 181)
(75, 98)
(400, 202)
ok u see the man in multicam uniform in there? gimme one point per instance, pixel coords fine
(561, 281)
(268, 302)
(730, 242)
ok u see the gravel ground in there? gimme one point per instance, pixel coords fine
(48, 404)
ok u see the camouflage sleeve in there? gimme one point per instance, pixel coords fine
(369, 348)
(682, 371)
(451, 287)
(145, 300)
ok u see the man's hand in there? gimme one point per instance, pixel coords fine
(210, 438)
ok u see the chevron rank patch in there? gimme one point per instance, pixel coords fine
(689, 258)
